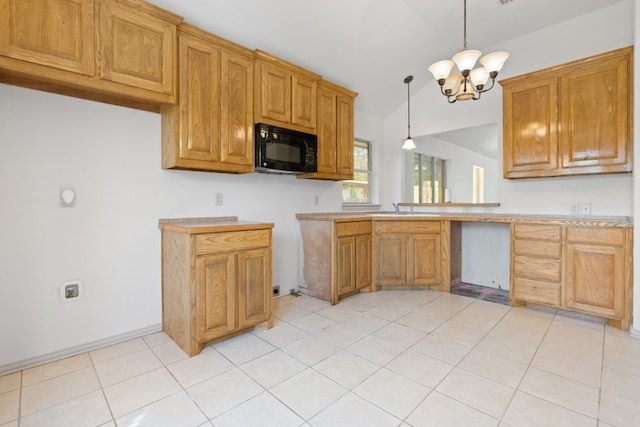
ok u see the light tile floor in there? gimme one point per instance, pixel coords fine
(390, 358)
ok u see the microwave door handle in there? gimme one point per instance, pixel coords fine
(304, 156)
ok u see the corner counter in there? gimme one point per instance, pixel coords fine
(582, 264)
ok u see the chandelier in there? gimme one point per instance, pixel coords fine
(468, 83)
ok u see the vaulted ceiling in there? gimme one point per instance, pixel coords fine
(370, 46)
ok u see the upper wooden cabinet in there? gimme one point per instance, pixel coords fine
(137, 45)
(116, 51)
(211, 128)
(571, 119)
(54, 33)
(285, 94)
(335, 132)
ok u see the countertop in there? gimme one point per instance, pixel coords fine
(602, 221)
(210, 225)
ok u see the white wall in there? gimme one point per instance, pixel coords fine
(111, 157)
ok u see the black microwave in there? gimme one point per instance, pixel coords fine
(281, 151)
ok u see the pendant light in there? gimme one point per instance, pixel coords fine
(408, 143)
(466, 82)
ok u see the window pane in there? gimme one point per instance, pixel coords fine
(439, 181)
(416, 177)
(358, 189)
(427, 179)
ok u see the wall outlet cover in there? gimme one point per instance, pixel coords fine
(71, 291)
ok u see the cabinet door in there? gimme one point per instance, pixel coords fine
(347, 262)
(344, 138)
(595, 279)
(391, 260)
(424, 259)
(327, 130)
(595, 116)
(200, 115)
(530, 131)
(303, 101)
(55, 33)
(137, 48)
(236, 108)
(254, 286)
(275, 93)
(216, 295)
(363, 261)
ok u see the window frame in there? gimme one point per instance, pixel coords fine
(357, 142)
(434, 160)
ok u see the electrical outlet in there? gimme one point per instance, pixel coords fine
(316, 199)
(219, 199)
(574, 209)
(585, 208)
(71, 290)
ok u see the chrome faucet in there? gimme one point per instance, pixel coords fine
(396, 208)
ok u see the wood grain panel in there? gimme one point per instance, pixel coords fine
(595, 116)
(275, 101)
(345, 136)
(55, 33)
(327, 130)
(391, 259)
(364, 253)
(424, 226)
(603, 236)
(538, 231)
(536, 291)
(232, 241)
(136, 48)
(303, 104)
(425, 256)
(318, 258)
(595, 279)
(353, 228)
(254, 286)
(537, 248)
(346, 265)
(216, 296)
(544, 269)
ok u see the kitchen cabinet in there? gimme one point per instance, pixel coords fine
(598, 270)
(216, 279)
(581, 268)
(335, 130)
(285, 94)
(411, 253)
(53, 33)
(116, 51)
(137, 45)
(211, 127)
(536, 263)
(337, 257)
(571, 119)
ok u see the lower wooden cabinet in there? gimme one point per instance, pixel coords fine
(410, 253)
(337, 257)
(580, 268)
(216, 281)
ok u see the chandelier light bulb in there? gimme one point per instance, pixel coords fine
(466, 59)
(494, 61)
(441, 69)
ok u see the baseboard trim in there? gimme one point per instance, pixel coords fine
(83, 348)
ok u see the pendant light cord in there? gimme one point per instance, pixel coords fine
(465, 24)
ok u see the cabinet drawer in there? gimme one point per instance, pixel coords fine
(232, 241)
(533, 291)
(597, 235)
(537, 248)
(538, 231)
(407, 226)
(535, 268)
(353, 228)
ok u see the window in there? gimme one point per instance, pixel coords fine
(478, 184)
(429, 179)
(358, 189)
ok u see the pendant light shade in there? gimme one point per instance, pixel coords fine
(408, 143)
